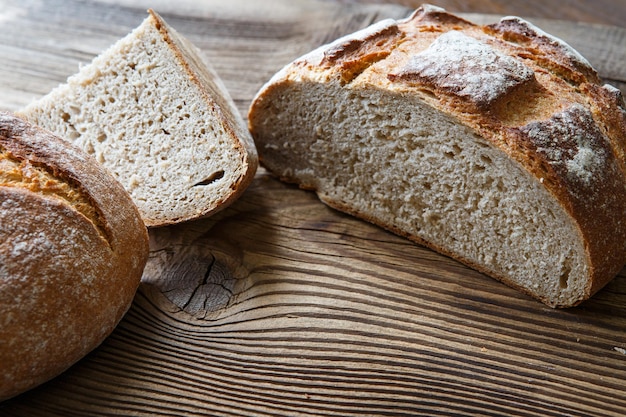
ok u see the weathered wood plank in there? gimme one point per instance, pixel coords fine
(607, 12)
(246, 41)
(246, 47)
(282, 306)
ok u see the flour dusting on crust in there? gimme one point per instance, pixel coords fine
(466, 67)
(570, 140)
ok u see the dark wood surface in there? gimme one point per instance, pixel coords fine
(608, 12)
(281, 306)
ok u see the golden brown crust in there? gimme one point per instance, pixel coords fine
(72, 252)
(544, 49)
(528, 93)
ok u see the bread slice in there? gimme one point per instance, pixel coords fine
(153, 112)
(496, 145)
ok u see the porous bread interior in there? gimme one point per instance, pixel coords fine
(137, 111)
(405, 166)
(21, 174)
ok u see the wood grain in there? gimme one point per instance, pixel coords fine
(607, 12)
(246, 42)
(281, 306)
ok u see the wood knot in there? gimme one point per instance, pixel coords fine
(198, 279)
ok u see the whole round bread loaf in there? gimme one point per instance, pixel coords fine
(72, 251)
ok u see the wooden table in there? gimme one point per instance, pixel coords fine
(607, 12)
(281, 306)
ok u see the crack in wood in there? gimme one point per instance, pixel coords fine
(196, 279)
(205, 281)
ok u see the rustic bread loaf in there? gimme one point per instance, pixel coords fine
(72, 251)
(160, 119)
(496, 145)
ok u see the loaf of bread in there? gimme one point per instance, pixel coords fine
(496, 145)
(72, 250)
(155, 113)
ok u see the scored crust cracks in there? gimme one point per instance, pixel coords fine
(20, 173)
(154, 113)
(496, 145)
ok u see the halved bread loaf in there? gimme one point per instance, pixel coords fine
(153, 112)
(496, 145)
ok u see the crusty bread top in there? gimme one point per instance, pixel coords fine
(33, 159)
(527, 92)
(153, 112)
